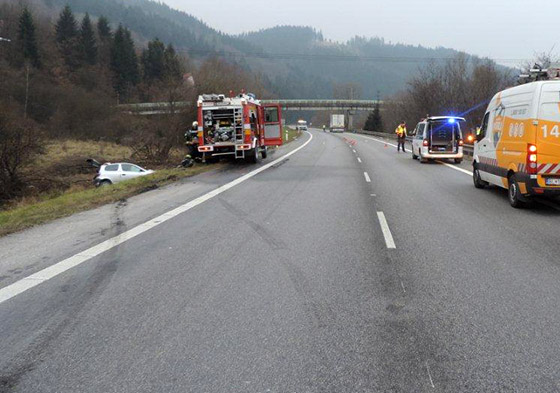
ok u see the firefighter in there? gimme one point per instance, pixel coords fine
(401, 136)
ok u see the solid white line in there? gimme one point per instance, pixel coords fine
(359, 160)
(455, 167)
(378, 140)
(386, 231)
(367, 177)
(35, 279)
(430, 375)
(440, 162)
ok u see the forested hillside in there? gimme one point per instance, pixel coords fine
(295, 62)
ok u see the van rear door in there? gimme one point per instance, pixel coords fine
(444, 136)
(548, 132)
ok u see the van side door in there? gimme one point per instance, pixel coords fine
(485, 151)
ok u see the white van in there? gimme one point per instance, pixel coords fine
(438, 137)
(518, 147)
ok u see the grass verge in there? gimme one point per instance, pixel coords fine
(291, 135)
(71, 202)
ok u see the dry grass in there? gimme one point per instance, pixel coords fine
(26, 215)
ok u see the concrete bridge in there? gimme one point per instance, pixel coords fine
(160, 108)
(349, 107)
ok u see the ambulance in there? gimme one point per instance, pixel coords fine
(518, 147)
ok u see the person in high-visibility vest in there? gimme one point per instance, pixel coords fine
(401, 136)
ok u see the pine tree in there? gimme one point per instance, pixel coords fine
(374, 121)
(88, 43)
(173, 68)
(105, 40)
(153, 61)
(124, 62)
(67, 38)
(27, 40)
(103, 29)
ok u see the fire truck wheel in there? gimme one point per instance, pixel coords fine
(264, 152)
(253, 156)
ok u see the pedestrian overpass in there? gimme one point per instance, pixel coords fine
(349, 107)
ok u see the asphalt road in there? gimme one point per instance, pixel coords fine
(348, 267)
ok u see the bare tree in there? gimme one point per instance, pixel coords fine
(20, 142)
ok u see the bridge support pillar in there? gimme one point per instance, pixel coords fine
(350, 122)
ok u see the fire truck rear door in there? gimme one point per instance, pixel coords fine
(272, 125)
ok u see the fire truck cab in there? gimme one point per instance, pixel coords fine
(238, 126)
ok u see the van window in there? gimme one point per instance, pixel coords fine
(484, 126)
(421, 128)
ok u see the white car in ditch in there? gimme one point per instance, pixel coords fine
(111, 173)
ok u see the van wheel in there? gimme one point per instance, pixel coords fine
(514, 195)
(414, 156)
(477, 180)
(458, 160)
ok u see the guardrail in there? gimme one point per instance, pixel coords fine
(468, 149)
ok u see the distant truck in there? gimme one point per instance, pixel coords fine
(301, 125)
(337, 123)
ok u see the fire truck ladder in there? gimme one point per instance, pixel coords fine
(238, 121)
(239, 137)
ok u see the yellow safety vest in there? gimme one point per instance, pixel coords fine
(400, 131)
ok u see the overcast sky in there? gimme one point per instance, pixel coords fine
(500, 29)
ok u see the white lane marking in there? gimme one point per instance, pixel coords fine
(386, 231)
(455, 167)
(367, 177)
(359, 160)
(378, 140)
(430, 375)
(354, 150)
(35, 279)
(402, 285)
(440, 162)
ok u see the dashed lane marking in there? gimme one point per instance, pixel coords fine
(46, 274)
(389, 241)
(359, 160)
(367, 177)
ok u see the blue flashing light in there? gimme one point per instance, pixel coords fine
(451, 120)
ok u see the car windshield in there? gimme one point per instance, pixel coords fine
(304, 196)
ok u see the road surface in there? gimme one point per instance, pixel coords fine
(347, 267)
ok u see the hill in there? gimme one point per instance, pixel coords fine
(296, 62)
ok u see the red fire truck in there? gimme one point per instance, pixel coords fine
(238, 126)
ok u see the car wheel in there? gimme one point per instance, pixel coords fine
(477, 180)
(104, 183)
(516, 200)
